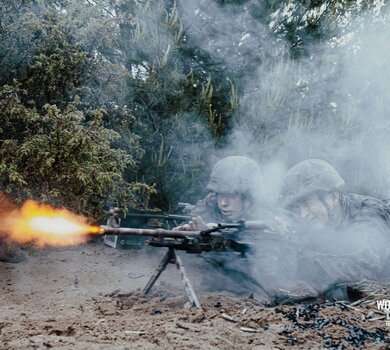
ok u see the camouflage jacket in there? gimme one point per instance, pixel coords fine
(267, 263)
(355, 248)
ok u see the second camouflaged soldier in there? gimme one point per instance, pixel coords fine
(344, 237)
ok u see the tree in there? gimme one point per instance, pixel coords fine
(58, 158)
(54, 140)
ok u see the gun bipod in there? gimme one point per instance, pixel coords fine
(171, 256)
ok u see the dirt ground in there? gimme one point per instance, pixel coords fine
(88, 297)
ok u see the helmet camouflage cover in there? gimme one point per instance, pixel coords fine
(235, 174)
(309, 176)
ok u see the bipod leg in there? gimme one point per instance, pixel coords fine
(161, 267)
(187, 284)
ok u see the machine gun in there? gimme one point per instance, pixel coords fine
(221, 238)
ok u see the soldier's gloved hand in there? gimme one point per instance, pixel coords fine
(196, 224)
(185, 227)
(199, 224)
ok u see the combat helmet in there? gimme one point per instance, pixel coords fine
(235, 174)
(309, 176)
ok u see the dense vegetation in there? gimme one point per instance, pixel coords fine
(130, 101)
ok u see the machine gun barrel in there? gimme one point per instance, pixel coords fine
(159, 232)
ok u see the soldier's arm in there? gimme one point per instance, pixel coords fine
(196, 224)
(350, 255)
(371, 243)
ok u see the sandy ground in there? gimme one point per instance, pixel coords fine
(88, 297)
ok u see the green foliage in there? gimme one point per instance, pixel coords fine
(62, 159)
(56, 77)
(57, 139)
(305, 24)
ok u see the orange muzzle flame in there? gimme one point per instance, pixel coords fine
(46, 226)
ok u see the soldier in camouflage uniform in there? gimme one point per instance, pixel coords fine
(235, 184)
(236, 193)
(344, 237)
(235, 187)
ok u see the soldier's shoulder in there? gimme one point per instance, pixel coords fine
(362, 206)
(362, 201)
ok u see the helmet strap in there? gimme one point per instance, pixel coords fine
(331, 213)
(247, 203)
